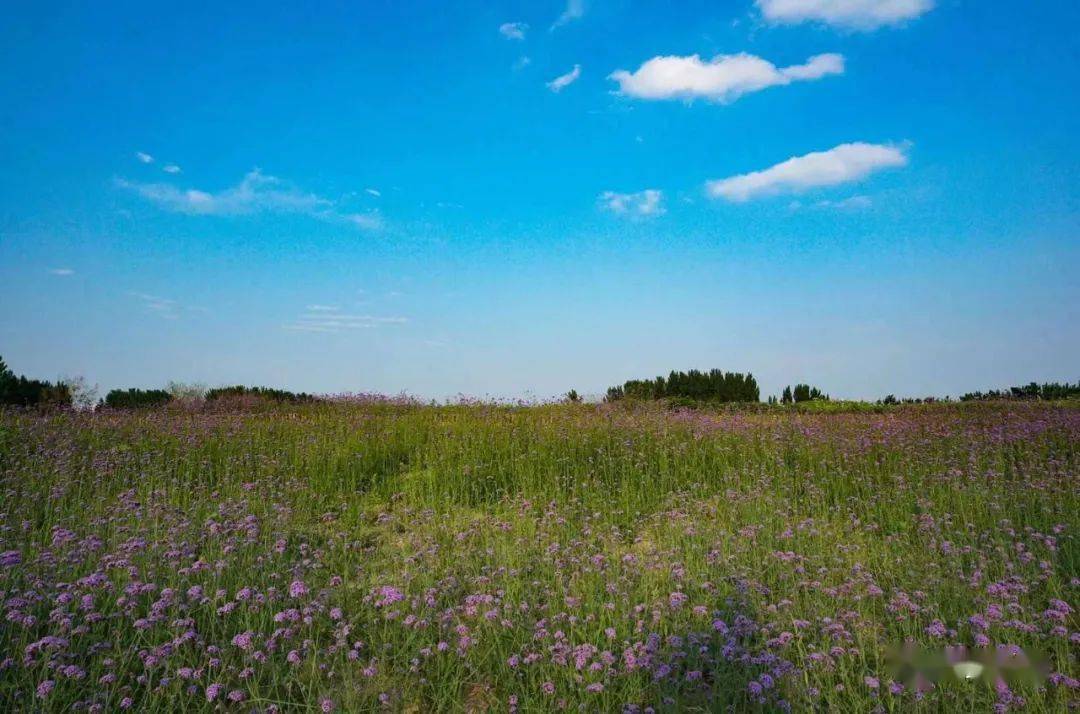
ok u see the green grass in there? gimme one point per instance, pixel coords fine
(504, 525)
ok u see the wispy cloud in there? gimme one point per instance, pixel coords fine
(575, 10)
(852, 203)
(642, 203)
(329, 318)
(841, 164)
(144, 157)
(171, 169)
(370, 221)
(847, 14)
(62, 272)
(559, 83)
(722, 79)
(513, 30)
(165, 308)
(256, 193)
(373, 192)
(521, 63)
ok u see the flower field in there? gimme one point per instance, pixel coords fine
(376, 556)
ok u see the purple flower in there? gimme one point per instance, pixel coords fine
(213, 691)
(388, 595)
(326, 705)
(297, 588)
(44, 688)
(244, 640)
(10, 558)
(237, 696)
(936, 629)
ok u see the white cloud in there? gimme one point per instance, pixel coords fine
(323, 308)
(144, 157)
(575, 10)
(374, 192)
(164, 308)
(256, 193)
(565, 80)
(722, 79)
(852, 203)
(841, 164)
(370, 221)
(329, 320)
(308, 328)
(521, 63)
(643, 203)
(62, 272)
(848, 14)
(171, 169)
(513, 30)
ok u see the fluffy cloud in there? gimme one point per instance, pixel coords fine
(171, 169)
(144, 157)
(841, 164)
(256, 193)
(848, 14)
(575, 10)
(565, 80)
(723, 79)
(513, 30)
(643, 203)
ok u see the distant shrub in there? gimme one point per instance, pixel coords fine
(264, 393)
(136, 398)
(23, 392)
(186, 392)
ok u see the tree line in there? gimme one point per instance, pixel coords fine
(142, 398)
(23, 392)
(712, 386)
(1033, 390)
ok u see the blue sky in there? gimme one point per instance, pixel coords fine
(519, 198)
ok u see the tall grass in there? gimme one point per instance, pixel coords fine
(371, 556)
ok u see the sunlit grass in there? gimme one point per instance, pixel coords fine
(482, 557)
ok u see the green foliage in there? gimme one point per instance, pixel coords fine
(186, 392)
(803, 393)
(136, 398)
(22, 392)
(695, 385)
(261, 393)
(1050, 390)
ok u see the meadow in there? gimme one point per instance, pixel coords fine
(373, 555)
